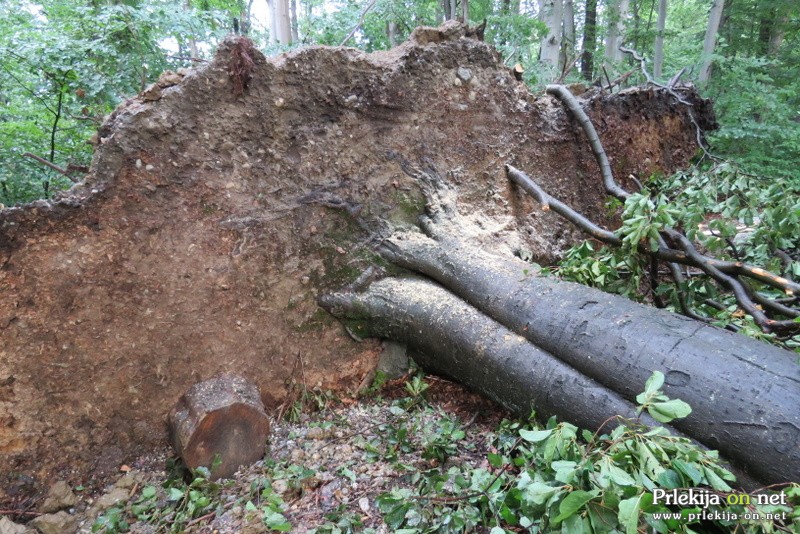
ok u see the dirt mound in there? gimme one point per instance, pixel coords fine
(211, 221)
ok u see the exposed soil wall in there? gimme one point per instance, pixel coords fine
(205, 230)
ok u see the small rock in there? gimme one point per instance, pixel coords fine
(169, 78)
(464, 74)
(280, 486)
(151, 93)
(9, 527)
(104, 502)
(128, 481)
(59, 496)
(60, 523)
(363, 504)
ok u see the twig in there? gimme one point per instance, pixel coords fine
(188, 58)
(19, 512)
(360, 22)
(65, 172)
(724, 272)
(209, 515)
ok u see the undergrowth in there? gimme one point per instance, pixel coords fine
(535, 478)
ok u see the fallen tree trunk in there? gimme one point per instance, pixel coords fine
(453, 339)
(745, 393)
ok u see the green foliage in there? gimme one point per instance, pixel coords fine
(65, 64)
(557, 477)
(613, 270)
(757, 113)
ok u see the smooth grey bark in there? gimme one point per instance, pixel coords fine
(567, 53)
(451, 338)
(658, 52)
(617, 11)
(745, 393)
(710, 41)
(551, 14)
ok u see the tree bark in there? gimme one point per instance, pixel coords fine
(710, 41)
(551, 15)
(589, 35)
(281, 21)
(620, 343)
(222, 418)
(293, 21)
(658, 53)
(617, 9)
(391, 33)
(449, 337)
(568, 41)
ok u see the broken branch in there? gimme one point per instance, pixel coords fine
(66, 172)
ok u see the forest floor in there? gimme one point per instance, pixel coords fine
(323, 470)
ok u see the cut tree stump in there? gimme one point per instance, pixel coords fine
(222, 416)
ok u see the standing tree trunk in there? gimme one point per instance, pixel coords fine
(658, 54)
(551, 15)
(293, 13)
(192, 41)
(568, 41)
(617, 12)
(465, 11)
(281, 18)
(391, 33)
(778, 32)
(714, 18)
(273, 23)
(589, 35)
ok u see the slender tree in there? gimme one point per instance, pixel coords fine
(658, 52)
(617, 10)
(551, 15)
(589, 36)
(568, 40)
(714, 18)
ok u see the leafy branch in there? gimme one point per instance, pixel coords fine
(649, 229)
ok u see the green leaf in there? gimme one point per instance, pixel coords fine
(539, 492)
(573, 502)
(654, 383)
(628, 514)
(535, 436)
(667, 411)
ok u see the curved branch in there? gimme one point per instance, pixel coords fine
(569, 100)
(548, 202)
(725, 272)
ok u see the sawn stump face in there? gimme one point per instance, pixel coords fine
(223, 416)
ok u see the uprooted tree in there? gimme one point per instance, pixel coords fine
(223, 203)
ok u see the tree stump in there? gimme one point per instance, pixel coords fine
(222, 416)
